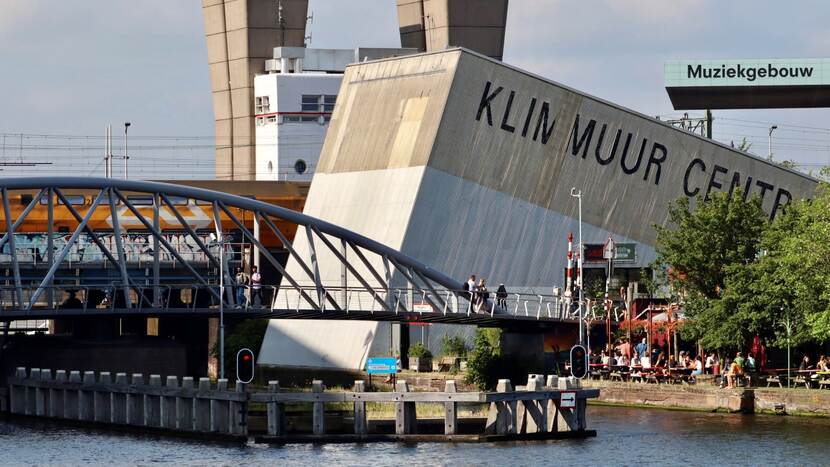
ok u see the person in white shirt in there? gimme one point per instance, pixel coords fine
(698, 366)
(711, 361)
(256, 287)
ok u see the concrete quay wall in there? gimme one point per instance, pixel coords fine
(793, 401)
(711, 398)
(680, 397)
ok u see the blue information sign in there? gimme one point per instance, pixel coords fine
(382, 366)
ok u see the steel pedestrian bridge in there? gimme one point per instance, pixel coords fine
(185, 267)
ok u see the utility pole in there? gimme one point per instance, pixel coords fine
(107, 130)
(126, 156)
(578, 195)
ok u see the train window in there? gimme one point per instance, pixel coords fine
(140, 200)
(74, 200)
(201, 202)
(26, 199)
(178, 200)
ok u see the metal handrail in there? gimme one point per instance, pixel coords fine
(547, 307)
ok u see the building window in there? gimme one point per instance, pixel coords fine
(300, 166)
(328, 103)
(290, 118)
(260, 121)
(263, 105)
(272, 119)
(322, 105)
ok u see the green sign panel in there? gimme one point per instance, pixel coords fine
(626, 252)
(750, 72)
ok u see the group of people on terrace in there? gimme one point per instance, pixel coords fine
(658, 361)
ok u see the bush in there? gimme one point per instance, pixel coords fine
(419, 351)
(485, 360)
(247, 334)
(454, 346)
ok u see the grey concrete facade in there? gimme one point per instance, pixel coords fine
(434, 25)
(467, 165)
(241, 36)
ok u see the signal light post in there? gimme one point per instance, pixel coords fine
(244, 366)
(579, 362)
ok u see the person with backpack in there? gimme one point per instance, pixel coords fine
(243, 280)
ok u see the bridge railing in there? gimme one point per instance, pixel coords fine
(185, 297)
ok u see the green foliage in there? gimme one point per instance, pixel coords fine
(744, 145)
(484, 363)
(740, 276)
(701, 244)
(246, 334)
(454, 346)
(595, 288)
(419, 351)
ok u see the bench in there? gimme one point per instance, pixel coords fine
(774, 379)
(447, 364)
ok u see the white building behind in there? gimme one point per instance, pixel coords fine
(293, 103)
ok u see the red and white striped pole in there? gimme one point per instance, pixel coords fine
(568, 281)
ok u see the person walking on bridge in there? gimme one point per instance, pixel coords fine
(243, 280)
(256, 287)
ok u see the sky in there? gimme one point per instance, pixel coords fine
(70, 68)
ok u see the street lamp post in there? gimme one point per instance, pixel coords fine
(578, 195)
(221, 304)
(769, 141)
(788, 326)
(126, 157)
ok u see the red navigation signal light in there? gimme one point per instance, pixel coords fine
(245, 366)
(579, 362)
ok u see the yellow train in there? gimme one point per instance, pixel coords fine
(198, 214)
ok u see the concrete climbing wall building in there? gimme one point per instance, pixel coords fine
(467, 164)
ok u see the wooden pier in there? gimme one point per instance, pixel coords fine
(534, 411)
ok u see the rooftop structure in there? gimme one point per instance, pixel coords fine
(293, 103)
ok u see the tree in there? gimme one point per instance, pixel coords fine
(701, 243)
(796, 271)
(246, 334)
(484, 363)
(703, 248)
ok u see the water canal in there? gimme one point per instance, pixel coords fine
(626, 437)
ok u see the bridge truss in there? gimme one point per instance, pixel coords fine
(376, 282)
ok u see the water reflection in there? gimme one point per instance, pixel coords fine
(626, 437)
